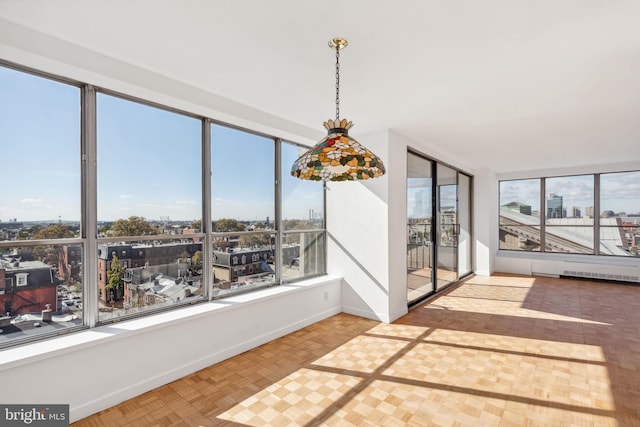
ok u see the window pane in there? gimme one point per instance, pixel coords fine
(149, 169)
(620, 194)
(243, 262)
(519, 238)
(242, 181)
(520, 202)
(40, 146)
(134, 277)
(574, 240)
(520, 215)
(302, 200)
(41, 291)
(618, 237)
(303, 255)
(569, 197)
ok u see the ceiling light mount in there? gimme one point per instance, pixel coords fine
(338, 157)
(338, 43)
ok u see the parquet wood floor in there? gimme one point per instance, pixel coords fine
(498, 351)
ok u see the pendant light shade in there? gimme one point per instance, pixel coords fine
(338, 157)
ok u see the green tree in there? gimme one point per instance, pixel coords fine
(56, 231)
(298, 224)
(104, 229)
(196, 260)
(293, 224)
(227, 224)
(34, 229)
(115, 280)
(28, 233)
(51, 254)
(133, 226)
(255, 240)
(220, 244)
(196, 225)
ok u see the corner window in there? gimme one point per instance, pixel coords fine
(150, 236)
(581, 214)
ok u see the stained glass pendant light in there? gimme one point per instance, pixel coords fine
(338, 157)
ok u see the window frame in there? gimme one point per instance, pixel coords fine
(289, 232)
(88, 239)
(543, 221)
(74, 241)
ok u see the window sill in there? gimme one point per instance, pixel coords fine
(53, 347)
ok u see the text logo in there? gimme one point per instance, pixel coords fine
(34, 415)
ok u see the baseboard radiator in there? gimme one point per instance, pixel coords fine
(584, 270)
(621, 273)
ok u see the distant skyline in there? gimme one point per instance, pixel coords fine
(620, 192)
(148, 161)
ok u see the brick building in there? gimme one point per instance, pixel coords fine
(139, 255)
(70, 263)
(158, 284)
(26, 286)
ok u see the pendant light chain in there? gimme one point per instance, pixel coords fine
(338, 156)
(337, 83)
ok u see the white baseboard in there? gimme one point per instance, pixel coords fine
(367, 314)
(132, 390)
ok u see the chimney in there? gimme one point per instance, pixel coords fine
(2, 278)
(47, 314)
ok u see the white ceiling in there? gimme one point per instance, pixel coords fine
(503, 84)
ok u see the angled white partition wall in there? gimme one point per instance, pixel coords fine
(367, 231)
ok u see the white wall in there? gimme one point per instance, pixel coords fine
(366, 222)
(358, 240)
(397, 225)
(98, 368)
(485, 221)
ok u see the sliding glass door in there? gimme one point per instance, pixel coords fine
(447, 220)
(420, 199)
(438, 226)
(464, 221)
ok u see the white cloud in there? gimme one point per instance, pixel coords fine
(221, 200)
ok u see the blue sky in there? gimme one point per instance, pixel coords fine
(40, 171)
(149, 161)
